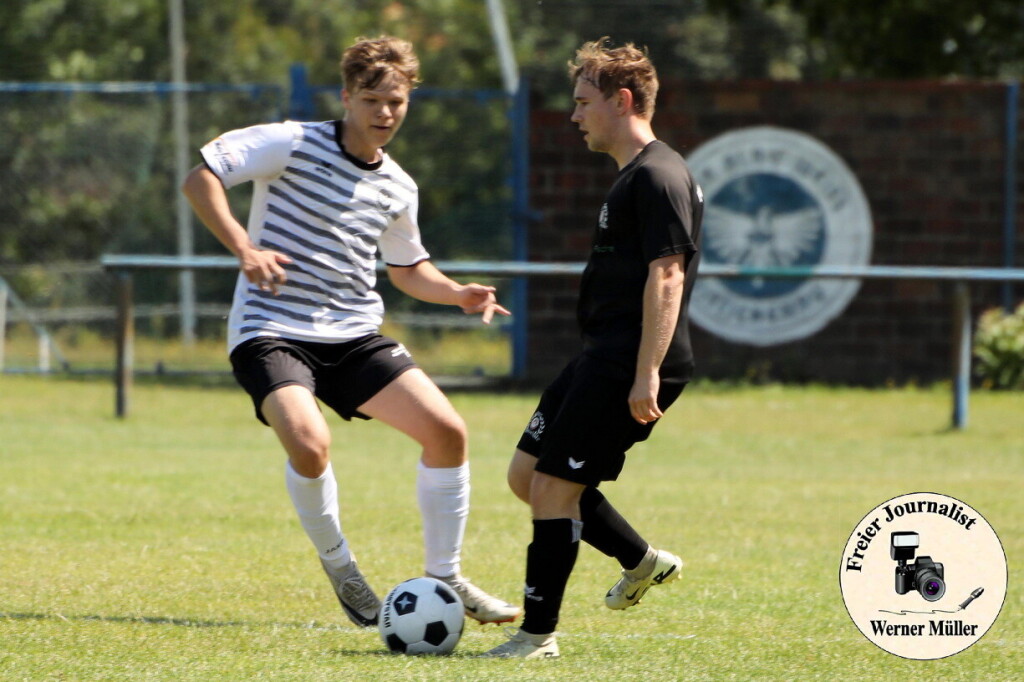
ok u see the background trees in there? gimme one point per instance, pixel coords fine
(117, 195)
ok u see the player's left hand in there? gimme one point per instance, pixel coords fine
(643, 399)
(477, 298)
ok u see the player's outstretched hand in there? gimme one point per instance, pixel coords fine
(477, 298)
(263, 268)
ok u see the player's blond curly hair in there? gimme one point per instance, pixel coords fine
(368, 62)
(609, 69)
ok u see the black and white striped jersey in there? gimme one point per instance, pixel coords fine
(330, 213)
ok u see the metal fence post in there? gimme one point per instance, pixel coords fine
(300, 99)
(3, 321)
(179, 128)
(125, 361)
(520, 127)
(961, 353)
(1010, 190)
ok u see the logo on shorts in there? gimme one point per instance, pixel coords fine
(776, 198)
(573, 464)
(536, 426)
(400, 349)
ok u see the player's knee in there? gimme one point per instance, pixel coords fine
(552, 497)
(447, 443)
(455, 435)
(310, 456)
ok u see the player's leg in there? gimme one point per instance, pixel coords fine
(604, 528)
(643, 566)
(550, 558)
(299, 424)
(294, 415)
(551, 555)
(278, 377)
(537, 431)
(520, 474)
(596, 398)
(414, 405)
(607, 531)
(554, 504)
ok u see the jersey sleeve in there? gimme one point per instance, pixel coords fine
(246, 154)
(400, 243)
(665, 207)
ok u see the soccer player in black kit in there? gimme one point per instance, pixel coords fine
(636, 357)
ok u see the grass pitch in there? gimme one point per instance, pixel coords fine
(164, 546)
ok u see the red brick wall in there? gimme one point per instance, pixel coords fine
(929, 156)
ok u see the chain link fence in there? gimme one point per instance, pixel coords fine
(88, 169)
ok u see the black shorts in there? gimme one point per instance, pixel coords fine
(583, 427)
(342, 375)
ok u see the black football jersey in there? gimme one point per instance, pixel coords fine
(653, 210)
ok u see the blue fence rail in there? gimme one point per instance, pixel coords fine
(961, 277)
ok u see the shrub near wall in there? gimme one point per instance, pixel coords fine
(999, 348)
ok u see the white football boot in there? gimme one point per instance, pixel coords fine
(478, 604)
(357, 599)
(663, 567)
(522, 644)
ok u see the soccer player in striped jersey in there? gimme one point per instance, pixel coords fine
(305, 320)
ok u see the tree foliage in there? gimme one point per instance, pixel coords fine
(245, 41)
(706, 39)
(256, 40)
(916, 38)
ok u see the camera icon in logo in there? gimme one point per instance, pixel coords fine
(924, 575)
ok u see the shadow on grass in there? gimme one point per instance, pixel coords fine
(192, 623)
(164, 620)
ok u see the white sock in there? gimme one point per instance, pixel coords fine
(443, 495)
(316, 501)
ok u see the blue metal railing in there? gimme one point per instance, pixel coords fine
(1010, 188)
(961, 277)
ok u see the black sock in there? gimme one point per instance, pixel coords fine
(605, 530)
(549, 561)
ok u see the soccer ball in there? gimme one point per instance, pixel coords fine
(421, 616)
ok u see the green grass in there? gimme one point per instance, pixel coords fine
(164, 546)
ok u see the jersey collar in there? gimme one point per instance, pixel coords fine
(356, 161)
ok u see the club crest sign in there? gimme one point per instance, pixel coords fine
(776, 197)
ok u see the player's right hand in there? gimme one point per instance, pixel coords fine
(263, 268)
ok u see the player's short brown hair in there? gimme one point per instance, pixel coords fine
(609, 69)
(370, 60)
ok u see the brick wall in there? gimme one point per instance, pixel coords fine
(930, 158)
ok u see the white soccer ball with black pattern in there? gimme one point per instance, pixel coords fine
(421, 616)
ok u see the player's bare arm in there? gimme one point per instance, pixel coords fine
(425, 282)
(663, 295)
(210, 202)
